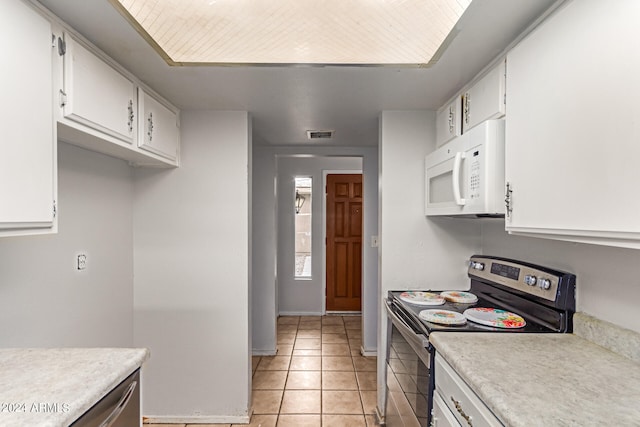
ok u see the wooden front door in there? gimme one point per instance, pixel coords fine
(344, 242)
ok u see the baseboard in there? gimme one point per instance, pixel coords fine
(197, 419)
(270, 352)
(379, 417)
(369, 352)
(299, 313)
(314, 313)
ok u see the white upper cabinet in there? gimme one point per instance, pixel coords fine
(158, 130)
(97, 95)
(97, 108)
(573, 128)
(27, 146)
(486, 99)
(449, 122)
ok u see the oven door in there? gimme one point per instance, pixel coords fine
(409, 383)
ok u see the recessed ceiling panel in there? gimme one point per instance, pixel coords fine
(338, 32)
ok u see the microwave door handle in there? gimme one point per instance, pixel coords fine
(457, 163)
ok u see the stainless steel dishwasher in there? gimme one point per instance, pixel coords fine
(119, 408)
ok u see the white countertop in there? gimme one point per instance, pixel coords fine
(545, 379)
(54, 387)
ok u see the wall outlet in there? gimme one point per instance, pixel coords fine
(81, 262)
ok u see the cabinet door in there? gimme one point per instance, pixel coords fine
(449, 122)
(486, 99)
(97, 95)
(573, 129)
(27, 156)
(158, 127)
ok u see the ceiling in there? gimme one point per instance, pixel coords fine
(285, 102)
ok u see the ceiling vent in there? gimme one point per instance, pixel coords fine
(319, 134)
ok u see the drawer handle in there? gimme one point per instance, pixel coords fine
(113, 416)
(461, 412)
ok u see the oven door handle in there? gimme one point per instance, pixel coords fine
(418, 341)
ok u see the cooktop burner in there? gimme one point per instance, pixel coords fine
(459, 296)
(443, 317)
(495, 317)
(422, 298)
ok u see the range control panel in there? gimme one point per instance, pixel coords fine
(523, 277)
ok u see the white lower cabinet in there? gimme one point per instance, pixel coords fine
(462, 402)
(28, 147)
(159, 129)
(573, 128)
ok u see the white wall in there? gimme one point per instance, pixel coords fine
(303, 296)
(265, 294)
(44, 300)
(264, 301)
(415, 252)
(191, 252)
(607, 277)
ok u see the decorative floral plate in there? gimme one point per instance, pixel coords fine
(422, 298)
(459, 296)
(444, 317)
(494, 317)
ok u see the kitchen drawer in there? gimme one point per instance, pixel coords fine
(465, 405)
(441, 415)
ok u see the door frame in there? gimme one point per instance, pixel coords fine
(324, 231)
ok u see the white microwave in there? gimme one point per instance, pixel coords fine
(466, 175)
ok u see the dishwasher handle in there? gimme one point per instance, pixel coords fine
(122, 403)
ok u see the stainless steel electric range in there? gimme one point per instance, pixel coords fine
(504, 296)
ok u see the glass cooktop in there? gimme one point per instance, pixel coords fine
(413, 310)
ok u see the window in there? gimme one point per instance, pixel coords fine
(302, 214)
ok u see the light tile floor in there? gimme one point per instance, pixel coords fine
(317, 379)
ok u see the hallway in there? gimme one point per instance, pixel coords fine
(318, 377)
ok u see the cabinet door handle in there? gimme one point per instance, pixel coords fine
(461, 412)
(62, 46)
(122, 403)
(130, 116)
(150, 127)
(452, 116)
(467, 102)
(457, 163)
(507, 200)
